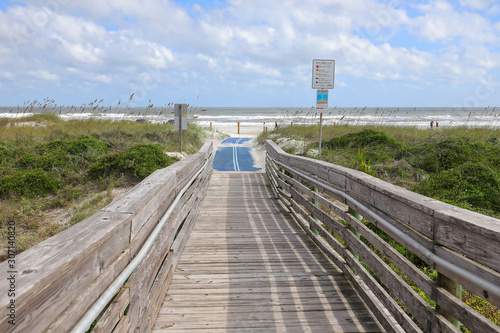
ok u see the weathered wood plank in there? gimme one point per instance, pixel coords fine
(467, 316)
(475, 242)
(123, 325)
(156, 294)
(144, 199)
(113, 313)
(470, 266)
(255, 323)
(87, 297)
(54, 272)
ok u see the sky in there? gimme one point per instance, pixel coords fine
(250, 53)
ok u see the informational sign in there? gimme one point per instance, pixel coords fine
(323, 74)
(180, 116)
(321, 99)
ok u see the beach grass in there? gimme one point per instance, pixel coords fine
(55, 173)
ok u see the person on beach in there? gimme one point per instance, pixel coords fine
(437, 124)
(275, 125)
(432, 124)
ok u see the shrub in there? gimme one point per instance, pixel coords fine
(29, 183)
(361, 139)
(84, 145)
(444, 155)
(4, 153)
(472, 183)
(137, 163)
(69, 155)
(47, 161)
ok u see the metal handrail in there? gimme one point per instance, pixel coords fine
(89, 317)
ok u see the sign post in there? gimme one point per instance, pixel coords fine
(180, 121)
(323, 76)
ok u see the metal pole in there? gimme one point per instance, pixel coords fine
(180, 132)
(320, 131)
(179, 111)
(178, 123)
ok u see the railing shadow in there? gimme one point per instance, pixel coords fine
(281, 280)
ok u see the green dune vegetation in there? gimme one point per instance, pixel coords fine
(55, 173)
(457, 165)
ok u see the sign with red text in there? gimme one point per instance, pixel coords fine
(323, 74)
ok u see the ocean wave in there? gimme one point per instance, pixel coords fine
(420, 117)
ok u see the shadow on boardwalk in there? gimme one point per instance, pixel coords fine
(248, 267)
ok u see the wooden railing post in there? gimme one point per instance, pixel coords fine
(316, 203)
(456, 290)
(357, 216)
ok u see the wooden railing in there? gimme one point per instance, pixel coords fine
(59, 280)
(333, 204)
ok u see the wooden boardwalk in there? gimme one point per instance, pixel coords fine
(248, 267)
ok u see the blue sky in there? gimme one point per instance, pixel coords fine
(250, 53)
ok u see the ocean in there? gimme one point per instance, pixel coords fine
(256, 117)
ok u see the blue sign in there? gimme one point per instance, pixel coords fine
(322, 99)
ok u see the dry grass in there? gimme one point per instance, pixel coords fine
(78, 196)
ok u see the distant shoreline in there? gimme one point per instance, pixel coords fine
(255, 119)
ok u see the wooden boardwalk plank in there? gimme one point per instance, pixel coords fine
(248, 267)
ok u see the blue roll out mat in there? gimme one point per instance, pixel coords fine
(234, 158)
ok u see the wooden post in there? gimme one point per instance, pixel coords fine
(238, 127)
(356, 233)
(264, 128)
(210, 125)
(317, 204)
(456, 290)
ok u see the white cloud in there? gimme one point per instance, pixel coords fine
(129, 44)
(44, 75)
(494, 10)
(7, 75)
(101, 78)
(197, 8)
(477, 4)
(271, 82)
(442, 22)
